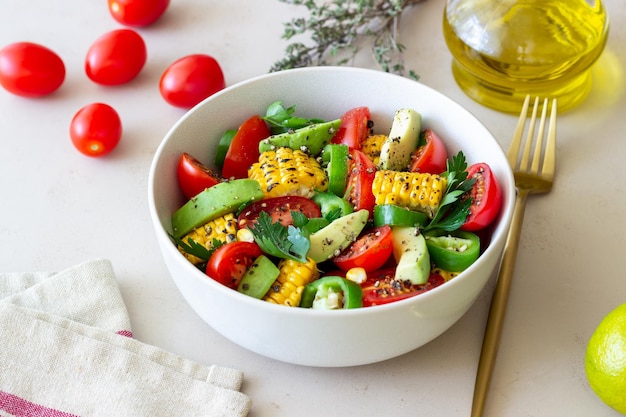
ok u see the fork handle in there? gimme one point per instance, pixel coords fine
(497, 310)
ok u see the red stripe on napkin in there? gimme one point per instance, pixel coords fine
(126, 333)
(20, 407)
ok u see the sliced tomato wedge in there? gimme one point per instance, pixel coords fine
(193, 176)
(370, 251)
(279, 210)
(431, 154)
(355, 127)
(360, 179)
(244, 148)
(381, 288)
(486, 198)
(229, 262)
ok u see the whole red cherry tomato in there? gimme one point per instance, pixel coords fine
(137, 12)
(96, 129)
(116, 57)
(191, 79)
(30, 70)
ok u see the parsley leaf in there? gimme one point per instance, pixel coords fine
(281, 119)
(196, 249)
(456, 203)
(278, 240)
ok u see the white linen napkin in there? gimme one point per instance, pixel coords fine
(66, 350)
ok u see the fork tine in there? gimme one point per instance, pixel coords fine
(534, 168)
(549, 164)
(513, 153)
(523, 163)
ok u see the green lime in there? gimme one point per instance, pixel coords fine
(605, 359)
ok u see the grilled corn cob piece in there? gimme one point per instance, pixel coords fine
(417, 191)
(223, 229)
(285, 171)
(293, 277)
(372, 145)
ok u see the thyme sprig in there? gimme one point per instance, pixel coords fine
(338, 29)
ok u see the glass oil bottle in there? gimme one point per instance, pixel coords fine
(506, 49)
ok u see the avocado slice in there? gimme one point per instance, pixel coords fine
(395, 153)
(310, 139)
(337, 236)
(259, 277)
(411, 254)
(213, 202)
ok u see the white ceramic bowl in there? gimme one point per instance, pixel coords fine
(313, 337)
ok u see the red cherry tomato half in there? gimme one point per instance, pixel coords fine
(279, 210)
(486, 195)
(355, 127)
(360, 180)
(370, 251)
(190, 80)
(116, 57)
(380, 287)
(229, 262)
(431, 157)
(193, 176)
(30, 70)
(96, 129)
(137, 12)
(244, 148)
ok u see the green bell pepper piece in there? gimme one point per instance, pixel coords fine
(452, 251)
(335, 160)
(393, 215)
(329, 202)
(320, 294)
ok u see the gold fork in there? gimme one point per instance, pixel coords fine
(532, 175)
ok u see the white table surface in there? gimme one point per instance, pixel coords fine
(60, 208)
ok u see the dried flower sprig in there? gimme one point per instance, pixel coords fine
(338, 30)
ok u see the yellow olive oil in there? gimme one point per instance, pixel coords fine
(506, 49)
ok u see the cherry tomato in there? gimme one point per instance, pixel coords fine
(431, 156)
(116, 57)
(279, 209)
(360, 179)
(137, 12)
(229, 262)
(193, 176)
(370, 251)
(30, 70)
(96, 129)
(355, 127)
(191, 79)
(380, 287)
(244, 148)
(486, 195)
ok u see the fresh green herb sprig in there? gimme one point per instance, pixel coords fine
(281, 119)
(278, 240)
(338, 29)
(455, 206)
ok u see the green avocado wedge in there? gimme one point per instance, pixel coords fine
(338, 235)
(395, 153)
(213, 202)
(310, 139)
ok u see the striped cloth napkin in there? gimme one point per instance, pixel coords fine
(66, 350)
